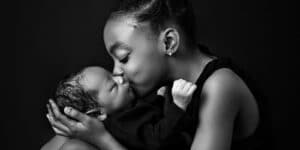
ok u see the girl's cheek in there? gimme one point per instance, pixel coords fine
(132, 71)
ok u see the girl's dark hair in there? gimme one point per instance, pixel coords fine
(158, 12)
(71, 93)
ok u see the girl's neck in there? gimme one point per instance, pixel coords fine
(189, 66)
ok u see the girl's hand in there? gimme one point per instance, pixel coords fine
(85, 128)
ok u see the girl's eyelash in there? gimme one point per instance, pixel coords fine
(124, 60)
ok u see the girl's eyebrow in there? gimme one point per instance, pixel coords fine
(118, 45)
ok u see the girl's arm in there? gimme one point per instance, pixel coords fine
(221, 95)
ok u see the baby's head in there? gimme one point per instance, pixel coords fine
(94, 90)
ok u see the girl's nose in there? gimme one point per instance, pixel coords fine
(118, 71)
(118, 79)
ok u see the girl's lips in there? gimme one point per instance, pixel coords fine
(123, 80)
(131, 87)
(119, 79)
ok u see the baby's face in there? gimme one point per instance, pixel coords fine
(109, 90)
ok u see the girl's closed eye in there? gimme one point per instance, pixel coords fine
(122, 55)
(124, 59)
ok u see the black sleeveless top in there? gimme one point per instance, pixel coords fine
(252, 142)
(182, 136)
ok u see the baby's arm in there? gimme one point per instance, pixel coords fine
(182, 93)
(174, 117)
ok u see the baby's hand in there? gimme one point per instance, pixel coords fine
(182, 92)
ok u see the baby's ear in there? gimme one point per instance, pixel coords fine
(102, 116)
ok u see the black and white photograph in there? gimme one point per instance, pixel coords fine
(154, 75)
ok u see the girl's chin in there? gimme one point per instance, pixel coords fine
(144, 92)
(140, 90)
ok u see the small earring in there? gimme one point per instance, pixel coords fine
(170, 53)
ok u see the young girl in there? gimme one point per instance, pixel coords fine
(152, 43)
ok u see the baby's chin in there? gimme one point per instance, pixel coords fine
(132, 93)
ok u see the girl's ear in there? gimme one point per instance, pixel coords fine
(170, 40)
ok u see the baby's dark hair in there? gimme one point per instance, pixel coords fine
(159, 12)
(71, 93)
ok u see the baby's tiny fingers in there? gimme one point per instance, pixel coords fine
(192, 89)
(186, 87)
(176, 85)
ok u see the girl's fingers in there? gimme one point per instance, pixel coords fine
(58, 125)
(81, 117)
(59, 132)
(54, 108)
(50, 112)
(58, 117)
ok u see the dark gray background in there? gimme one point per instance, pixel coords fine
(56, 37)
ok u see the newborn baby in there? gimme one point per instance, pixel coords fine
(94, 91)
(98, 93)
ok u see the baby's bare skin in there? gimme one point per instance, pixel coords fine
(182, 93)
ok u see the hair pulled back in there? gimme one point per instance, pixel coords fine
(159, 12)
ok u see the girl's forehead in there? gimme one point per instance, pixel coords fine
(118, 30)
(125, 25)
(120, 23)
(126, 19)
(125, 31)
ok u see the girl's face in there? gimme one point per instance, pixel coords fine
(136, 53)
